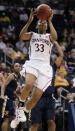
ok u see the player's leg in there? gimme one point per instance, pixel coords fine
(34, 127)
(42, 84)
(51, 125)
(20, 116)
(36, 94)
(36, 115)
(10, 119)
(50, 114)
(10, 110)
(29, 82)
(5, 124)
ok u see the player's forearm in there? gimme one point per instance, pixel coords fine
(5, 83)
(58, 48)
(23, 35)
(2, 90)
(24, 29)
(52, 30)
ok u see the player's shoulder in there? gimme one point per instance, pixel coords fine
(47, 35)
(34, 33)
(29, 33)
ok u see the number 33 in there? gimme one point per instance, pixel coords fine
(39, 47)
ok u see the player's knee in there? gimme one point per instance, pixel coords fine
(51, 122)
(37, 93)
(36, 125)
(5, 126)
(36, 96)
(28, 86)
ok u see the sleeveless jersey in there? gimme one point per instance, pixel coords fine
(40, 47)
(10, 89)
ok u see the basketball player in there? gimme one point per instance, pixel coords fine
(46, 105)
(8, 96)
(38, 69)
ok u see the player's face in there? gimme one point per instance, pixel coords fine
(69, 96)
(17, 67)
(42, 26)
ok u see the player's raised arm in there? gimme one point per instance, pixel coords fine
(52, 29)
(5, 83)
(60, 57)
(23, 34)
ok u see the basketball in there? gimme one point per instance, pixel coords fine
(43, 12)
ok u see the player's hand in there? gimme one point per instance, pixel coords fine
(2, 96)
(32, 14)
(51, 16)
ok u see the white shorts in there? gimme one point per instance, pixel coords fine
(42, 71)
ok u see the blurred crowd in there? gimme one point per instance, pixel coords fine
(11, 22)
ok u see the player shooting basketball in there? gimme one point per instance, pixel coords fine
(38, 69)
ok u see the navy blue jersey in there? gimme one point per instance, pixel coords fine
(51, 88)
(10, 89)
(6, 107)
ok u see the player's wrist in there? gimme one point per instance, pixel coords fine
(50, 24)
(29, 21)
(50, 21)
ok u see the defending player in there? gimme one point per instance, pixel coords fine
(8, 91)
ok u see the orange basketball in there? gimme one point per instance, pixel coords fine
(43, 12)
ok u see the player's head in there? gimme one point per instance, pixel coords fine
(17, 67)
(41, 26)
(69, 96)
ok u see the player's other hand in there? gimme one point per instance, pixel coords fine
(32, 14)
(51, 16)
